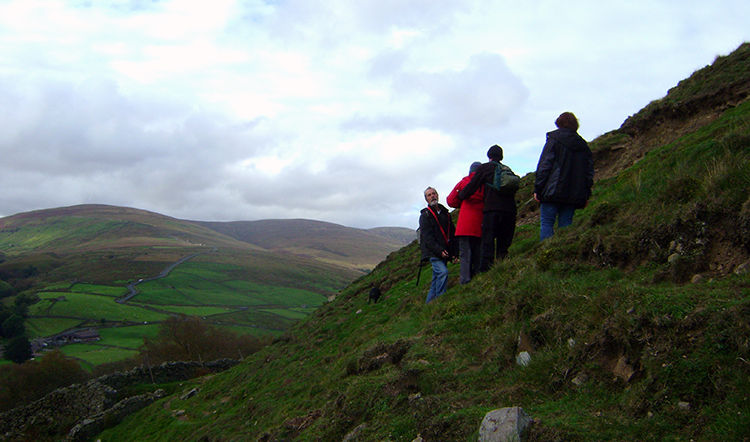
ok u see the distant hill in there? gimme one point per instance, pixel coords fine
(92, 227)
(345, 246)
(398, 234)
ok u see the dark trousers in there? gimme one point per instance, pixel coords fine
(469, 254)
(497, 233)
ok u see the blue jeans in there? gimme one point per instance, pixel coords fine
(549, 212)
(439, 278)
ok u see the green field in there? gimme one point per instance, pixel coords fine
(93, 307)
(98, 289)
(39, 327)
(213, 291)
(94, 354)
(128, 336)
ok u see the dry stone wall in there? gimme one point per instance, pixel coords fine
(56, 413)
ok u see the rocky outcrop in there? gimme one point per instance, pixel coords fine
(87, 406)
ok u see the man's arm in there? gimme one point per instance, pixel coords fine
(476, 182)
(452, 199)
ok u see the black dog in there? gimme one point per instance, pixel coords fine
(374, 294)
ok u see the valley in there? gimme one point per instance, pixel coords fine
(118, 273)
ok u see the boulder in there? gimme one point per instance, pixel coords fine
(503, 425)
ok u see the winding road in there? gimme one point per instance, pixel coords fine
(132, 291)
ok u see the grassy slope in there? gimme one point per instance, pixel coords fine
(622, 346)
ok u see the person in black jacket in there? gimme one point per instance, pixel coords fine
(436, 239)
(499, 212)
(564, 175)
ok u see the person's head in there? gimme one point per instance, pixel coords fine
(431, 196)
(567, 120)
(474, 166)
(495, 153)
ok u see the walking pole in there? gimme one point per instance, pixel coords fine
(419, 272)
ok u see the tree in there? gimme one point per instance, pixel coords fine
(18, 349)
(190, 339)
(22, 302)
(6, 289)
(13, 326)
(5, 313)
(24, 383)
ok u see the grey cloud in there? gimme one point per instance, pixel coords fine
(380, 15)
(332, 23)
(67, 144)
(386, 63)
(469, 102)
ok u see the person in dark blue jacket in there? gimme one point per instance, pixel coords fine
(564, 175)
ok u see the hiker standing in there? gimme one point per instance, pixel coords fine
(468, 226)
(436, 233)
(499, 212)
(564, 175)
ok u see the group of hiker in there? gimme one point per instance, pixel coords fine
(487, 206)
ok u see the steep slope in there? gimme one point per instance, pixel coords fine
(345, 246)
(622, 346)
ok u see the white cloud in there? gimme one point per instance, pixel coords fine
(337, 110)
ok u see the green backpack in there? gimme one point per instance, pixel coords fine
(504, 181)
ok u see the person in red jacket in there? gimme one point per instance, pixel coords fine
(469, 226)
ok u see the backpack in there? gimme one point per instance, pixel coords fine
(504, 181)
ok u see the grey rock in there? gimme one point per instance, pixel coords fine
(623, 370)
(523, 358)
(187, 395)
(742, 268)
(580, 379)
(354, 434)
(503, 425)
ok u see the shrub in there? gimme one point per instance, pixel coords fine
(18, 349)
(27, 382)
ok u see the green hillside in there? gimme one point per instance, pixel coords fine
(636, 317)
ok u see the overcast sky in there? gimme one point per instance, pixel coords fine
(336, 110)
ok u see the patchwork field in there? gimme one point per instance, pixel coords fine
(212, 291)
